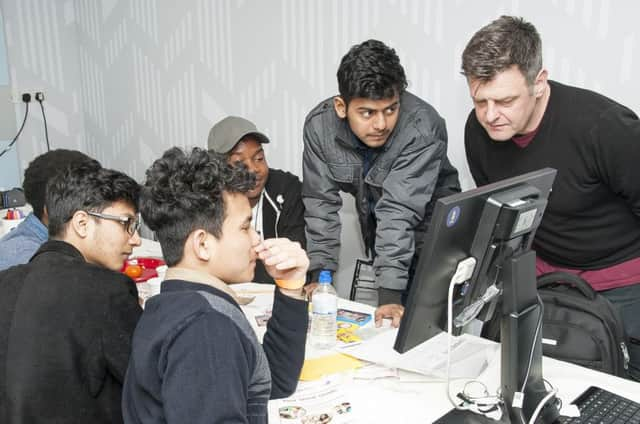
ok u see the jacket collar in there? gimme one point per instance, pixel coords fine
(348, 139)
(345, 136)
(59, 246)
(186, 274)
(33, 225)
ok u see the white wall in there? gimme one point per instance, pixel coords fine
(8, 160)
(126, 79)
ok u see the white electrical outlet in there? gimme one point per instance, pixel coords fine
(16, 94)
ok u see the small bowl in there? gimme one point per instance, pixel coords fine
(148, 265)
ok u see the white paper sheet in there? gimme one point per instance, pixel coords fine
(469, 355)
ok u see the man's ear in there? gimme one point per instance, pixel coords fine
(79, 224)
(45, 216)
(340, 107)
(201, 245)
(540, 83)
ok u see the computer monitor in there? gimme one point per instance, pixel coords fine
(495, 224)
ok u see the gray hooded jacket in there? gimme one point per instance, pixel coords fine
(403, 179)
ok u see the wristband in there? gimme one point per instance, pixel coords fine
(290, 284)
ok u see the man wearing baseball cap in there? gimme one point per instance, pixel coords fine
(276, 199)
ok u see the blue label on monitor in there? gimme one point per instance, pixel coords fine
(452, 216)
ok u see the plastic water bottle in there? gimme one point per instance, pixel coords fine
(324, 307)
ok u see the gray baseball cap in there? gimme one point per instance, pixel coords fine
(225, 134)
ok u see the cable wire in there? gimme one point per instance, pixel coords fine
(44, 118)
(452, 286)
(470, 404)
(530, 361)
(24, 120)
(541, 404)
(533, 343)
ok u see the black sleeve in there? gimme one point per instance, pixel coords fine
(389, 296)
(123, 312)
(617, 154)
(284, 343)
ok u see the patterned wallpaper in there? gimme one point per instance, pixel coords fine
(126, 79)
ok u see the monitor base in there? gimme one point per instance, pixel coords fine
(456, 416)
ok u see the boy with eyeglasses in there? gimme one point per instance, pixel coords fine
(67, 317)
(19, 245)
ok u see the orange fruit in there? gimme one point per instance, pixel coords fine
(133, 271)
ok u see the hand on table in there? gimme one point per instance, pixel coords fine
(391, 311)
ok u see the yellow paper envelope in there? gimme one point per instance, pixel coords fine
(314, 369)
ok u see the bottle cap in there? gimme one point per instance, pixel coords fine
(325, 277)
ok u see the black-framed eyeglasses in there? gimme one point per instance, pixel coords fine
(131, 223)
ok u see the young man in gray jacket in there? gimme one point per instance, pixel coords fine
(386, 147)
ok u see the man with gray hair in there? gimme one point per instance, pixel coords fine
(522, 121)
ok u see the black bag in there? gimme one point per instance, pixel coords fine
(581, 326)
(12, 198)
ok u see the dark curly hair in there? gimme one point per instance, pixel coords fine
(86, 187)
(505, 42)
(42, 168)
(370, 70)
(183, 193)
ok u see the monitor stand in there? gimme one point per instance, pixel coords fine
(465, 417)
(518, 323)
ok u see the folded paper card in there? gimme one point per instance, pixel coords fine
(354, 317)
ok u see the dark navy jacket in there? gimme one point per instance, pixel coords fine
(196, 359)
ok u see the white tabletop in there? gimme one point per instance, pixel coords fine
(413, 398)
(392, 400)
(410, 398)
